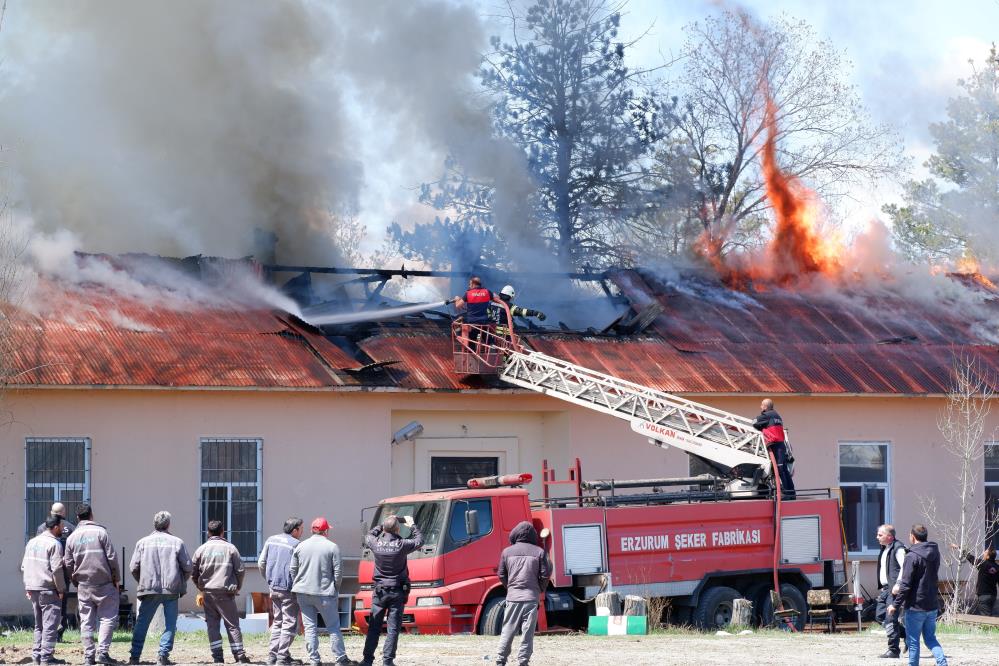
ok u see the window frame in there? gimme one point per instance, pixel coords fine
(454, 455)
(886, 485)
(229, 485)
(29, 529)
(986, 485)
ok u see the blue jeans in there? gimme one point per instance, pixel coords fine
(922, 623)
(147, 608)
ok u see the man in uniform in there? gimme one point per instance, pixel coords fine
(391, 584)
(92, 565)
(771, 425)
(59, 509)
(45, 585)
(498, 315)
(274, 564)
(218, 573)
(988, 578)
(160, 565)
(889, 569)
(316, 573)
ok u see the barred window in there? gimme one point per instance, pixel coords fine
(56, 469)
(231, 491)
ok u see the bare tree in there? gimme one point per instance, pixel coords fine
(962, 426)
(717, 125)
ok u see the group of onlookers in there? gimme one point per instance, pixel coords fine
(908, 601)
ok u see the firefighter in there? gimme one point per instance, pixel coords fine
(218, 574)
(45, 586)
(890, 561)
(59, 509)
(391, 584)
(498, 314)
(771, 425)
(92, 565)
(274, 564)
(988, 578)
(475, 303)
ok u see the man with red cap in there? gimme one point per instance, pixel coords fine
(316, 573)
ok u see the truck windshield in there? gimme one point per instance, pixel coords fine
(428, 515)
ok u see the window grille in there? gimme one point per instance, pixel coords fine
(56, 469)
(231, 482)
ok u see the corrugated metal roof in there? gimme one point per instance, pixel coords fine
(92, 338)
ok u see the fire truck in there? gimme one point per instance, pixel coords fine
(699, 542)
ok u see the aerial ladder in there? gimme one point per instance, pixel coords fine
(727, 441)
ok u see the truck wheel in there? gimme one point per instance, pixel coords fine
(791, 598)
(491, 623)
(755, 593)
(715, 608)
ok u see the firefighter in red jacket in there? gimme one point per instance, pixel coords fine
(771, 425)
(475, 303)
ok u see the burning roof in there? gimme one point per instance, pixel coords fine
(699, 336)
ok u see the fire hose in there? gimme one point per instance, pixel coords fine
(779, 606)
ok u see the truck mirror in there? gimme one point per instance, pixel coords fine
(472, 522)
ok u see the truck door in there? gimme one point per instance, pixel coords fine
(471, 556)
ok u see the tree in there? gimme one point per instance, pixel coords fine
(565, 97)
(956, 211)
(729, 67)
(962, 427)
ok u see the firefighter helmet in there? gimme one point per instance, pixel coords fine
(509, 292)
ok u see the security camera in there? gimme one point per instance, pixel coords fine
(408, 432)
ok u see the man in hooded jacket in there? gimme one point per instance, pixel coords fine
(524, 570)
(916, 591)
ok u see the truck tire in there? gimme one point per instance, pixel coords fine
(791, 597)
(491, 622)
(714, 610)
(756, 593)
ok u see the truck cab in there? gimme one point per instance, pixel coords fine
(453, 574)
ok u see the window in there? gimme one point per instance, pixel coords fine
(455, 471)
(863, 478)
(992, 492)
(230, 491)
(456, 533)
(55, 470)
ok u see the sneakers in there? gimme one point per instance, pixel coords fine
(107, 659)
(890, 654)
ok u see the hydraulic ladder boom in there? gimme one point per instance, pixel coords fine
(721, 437)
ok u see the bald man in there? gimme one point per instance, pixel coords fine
(771, 425)
(58, 509)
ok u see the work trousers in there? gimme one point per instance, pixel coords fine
(98, 613)
(220, 606)
(984, 604)
(518, 617)
(284, 623)
(922, 623)
(890, 621)
(147, 608)
(48, 615)
(387, 604)
(314, 605)
(779, 451)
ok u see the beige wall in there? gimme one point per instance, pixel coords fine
(329, 453)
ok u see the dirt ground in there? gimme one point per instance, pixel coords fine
(670, 648)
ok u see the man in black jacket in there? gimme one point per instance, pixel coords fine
(916, 591)
(524, 570)
(988, 578)
(771, 425)
(890, 562)
(391, 584)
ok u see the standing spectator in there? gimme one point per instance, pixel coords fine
(218, 573)
(92, 565)
(889, 569)
(275, 565)
(916, 591)
(391, 584)
(988, 578)
(160, 565)
(771, 425)
(524, 570)
(316, 574)
(59, 509)
(45, 586)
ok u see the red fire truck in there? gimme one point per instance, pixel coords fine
(699, 542)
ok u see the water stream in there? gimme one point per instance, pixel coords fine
(371, 315)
